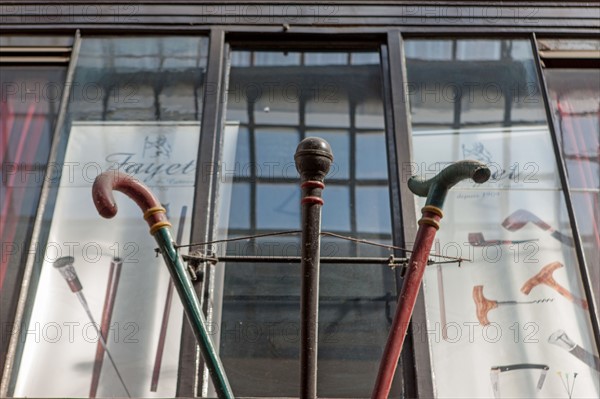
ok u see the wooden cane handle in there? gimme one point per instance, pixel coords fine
(102, 193)
(483, 305)
(436, 188)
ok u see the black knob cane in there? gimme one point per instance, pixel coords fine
(313, 158)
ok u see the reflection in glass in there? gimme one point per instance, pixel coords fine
(280, 98)
(575, 100)
(30, 100)
(482, 101)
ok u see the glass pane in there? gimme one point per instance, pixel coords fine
(135, 108)
(30, 100)
(575, 99)
(369, 162)
(340, 139)
(259, 318)
(273, 147)
(522, 288)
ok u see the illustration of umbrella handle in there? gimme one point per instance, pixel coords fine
(155, 216)
(435, 189)
(483, 305)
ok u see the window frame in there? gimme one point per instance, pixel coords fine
(192, 376)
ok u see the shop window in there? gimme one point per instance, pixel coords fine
(32, 84)
(135, 107)
(506, 323)
(572, 72)
(278, 98)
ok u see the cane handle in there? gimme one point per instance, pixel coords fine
(483, 305)
(436, 188)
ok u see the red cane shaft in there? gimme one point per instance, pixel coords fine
(435, 189)
(406, 304)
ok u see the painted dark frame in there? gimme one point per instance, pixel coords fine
(192, 374)
(576, 25)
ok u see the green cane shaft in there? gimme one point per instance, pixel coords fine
(193, 311)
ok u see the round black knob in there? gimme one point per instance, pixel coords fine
(313, 158)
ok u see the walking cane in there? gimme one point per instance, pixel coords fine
(313, 158)
(155, 216)
(435, 189)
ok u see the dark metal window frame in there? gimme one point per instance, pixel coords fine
(398, 136)
(192, 369)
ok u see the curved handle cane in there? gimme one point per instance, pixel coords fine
(155, 216)
(435, 189)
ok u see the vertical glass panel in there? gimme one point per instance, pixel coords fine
(372, 202)
(338, 216)
(30, 101)
(340, 139)
(575, 99)
(276, 206)
(364, 58)
(275, 58)
(239, 217)
(272, 147)
(369, 162)
(134, 107)
(497, 326)
(259, 318)
(326, 58)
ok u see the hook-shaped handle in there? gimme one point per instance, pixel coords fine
(436, 188)
(155, 215)
(102, 193)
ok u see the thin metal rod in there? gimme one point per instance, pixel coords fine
(524, 302)
(323, 233)
(16, 338)
(101, 339)
(296, 259)
(562, 173)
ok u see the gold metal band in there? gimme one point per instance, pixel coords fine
(151, 211)
(159, 225)
(429, 221)
(433, 209)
